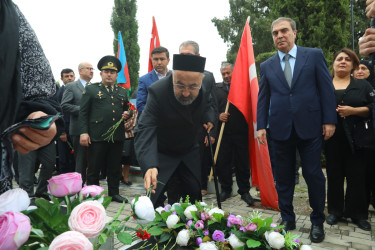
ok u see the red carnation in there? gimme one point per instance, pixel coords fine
(143, 235)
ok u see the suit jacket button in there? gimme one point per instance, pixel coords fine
(113, 118)
(113, 104)
(113, 111)
(96, 121)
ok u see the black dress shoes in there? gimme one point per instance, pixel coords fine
(224, 195)
(119, 198)
(362, 224)
(332, 219)
(317, 233)
(246, 197)
(127, 183)
(288, 225)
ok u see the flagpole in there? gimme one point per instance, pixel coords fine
(218, 142)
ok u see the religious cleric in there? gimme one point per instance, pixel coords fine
(166, 137)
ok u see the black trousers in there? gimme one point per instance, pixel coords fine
(66, 158)
(106, 154)
(181, 184)
(343, 164)
(80, 155)
(285, 174)
(237, 146)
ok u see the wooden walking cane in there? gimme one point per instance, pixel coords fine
(218, 143)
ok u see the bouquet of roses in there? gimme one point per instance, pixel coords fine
(204, 227)
(49, 225)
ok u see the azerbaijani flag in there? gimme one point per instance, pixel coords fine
(123, 76)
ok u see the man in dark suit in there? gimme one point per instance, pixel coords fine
(299, 106)
(166, 141)
(66, 158)
(234, 146)
(103, 104)
(160, 61)
(70, 104)
(208, 83)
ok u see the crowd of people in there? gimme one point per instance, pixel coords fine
(302, 111)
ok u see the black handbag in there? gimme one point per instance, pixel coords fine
(364, 135)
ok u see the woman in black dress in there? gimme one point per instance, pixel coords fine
(354, 98)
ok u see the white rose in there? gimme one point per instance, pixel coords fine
(183, 237)
(235, 242)
(215, 210)
(144, 210)
(276, 240)
(208, 246)
(160, 210)
(266, 234)
(14, 200)
(172, 220)
(188, 211)
(203, 204)
(305, 247)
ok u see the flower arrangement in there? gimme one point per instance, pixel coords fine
(202, 227)
(49, 225)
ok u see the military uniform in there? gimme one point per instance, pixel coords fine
(101, 108)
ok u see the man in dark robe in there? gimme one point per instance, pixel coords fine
(166, 141)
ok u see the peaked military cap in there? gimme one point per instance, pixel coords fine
(189, 62)
(109, 62)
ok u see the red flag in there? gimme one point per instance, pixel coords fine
(244, 95)
(155, 42)
(123, 76)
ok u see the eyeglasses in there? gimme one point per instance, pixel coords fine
(183, 87)
(88, 68)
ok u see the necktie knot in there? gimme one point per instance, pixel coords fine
(286, 57)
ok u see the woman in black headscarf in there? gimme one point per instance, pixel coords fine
(366, 71)
(26, 88)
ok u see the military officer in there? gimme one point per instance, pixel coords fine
(104, 105)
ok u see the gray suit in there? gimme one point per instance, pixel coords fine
(70, 104)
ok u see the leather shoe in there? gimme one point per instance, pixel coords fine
(224, 195)
(362, 224)
(332, 219)
(317, 233)
(288, 225)
(119, 198)
(247, 198)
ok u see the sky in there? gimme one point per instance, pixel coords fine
(74, 31)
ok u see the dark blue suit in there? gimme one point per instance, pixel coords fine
(144, 82)
(295, 116)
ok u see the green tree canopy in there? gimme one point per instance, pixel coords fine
(320, 24)
(124, 20)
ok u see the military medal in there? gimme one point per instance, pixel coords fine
(100, 94)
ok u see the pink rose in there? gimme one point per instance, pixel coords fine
(88, 218)
(92, 190)
(15, 230)
(71, 240)
(65, 184)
